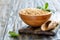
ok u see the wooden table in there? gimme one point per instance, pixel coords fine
(10, 21)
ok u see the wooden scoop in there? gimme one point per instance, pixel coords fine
(49, 25)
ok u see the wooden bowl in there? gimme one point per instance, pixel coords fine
(35, 21)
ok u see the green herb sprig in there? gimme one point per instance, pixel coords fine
(45, 7)
(13, 34)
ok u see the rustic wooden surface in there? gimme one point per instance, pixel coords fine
(10, 21)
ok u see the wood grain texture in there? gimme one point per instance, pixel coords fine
(10, 21)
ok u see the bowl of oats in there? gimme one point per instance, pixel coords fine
(34, 17)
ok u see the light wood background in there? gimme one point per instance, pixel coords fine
(10, 21)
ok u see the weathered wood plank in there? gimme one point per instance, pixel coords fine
(15, 23)
(12, 20)
(3, 17)
(2, 28)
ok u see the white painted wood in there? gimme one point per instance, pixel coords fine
(4, 9)
(9, 14)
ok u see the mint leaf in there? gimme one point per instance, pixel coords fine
(46, 6)
(39, 7)
(48, 10)
(13, 34)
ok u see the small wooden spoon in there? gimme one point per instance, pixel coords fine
(48, 25)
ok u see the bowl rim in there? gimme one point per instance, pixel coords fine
(48, 13)
(36, 15)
